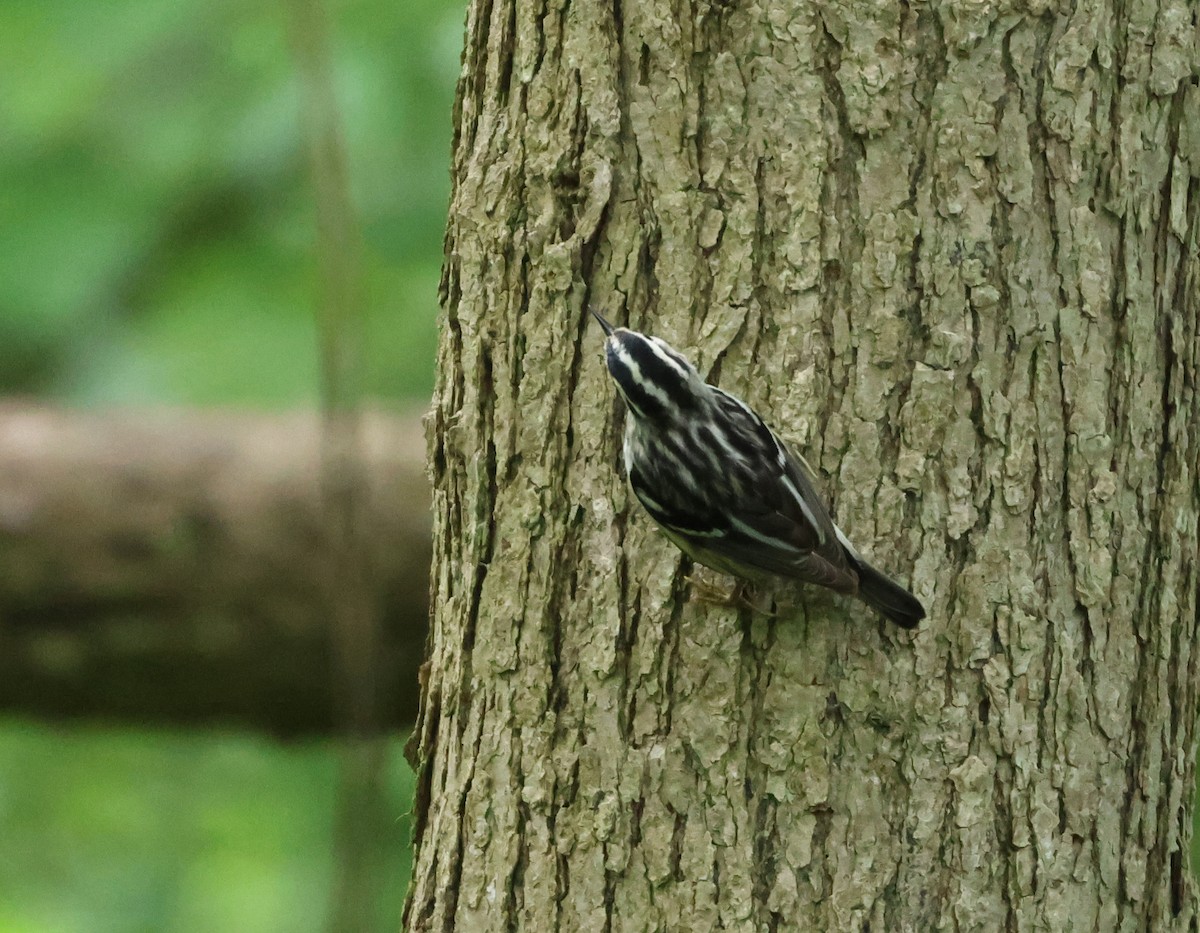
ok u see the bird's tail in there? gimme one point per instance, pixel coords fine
(881, 592)
(888, 596)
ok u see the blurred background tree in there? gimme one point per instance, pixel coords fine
(158, 248)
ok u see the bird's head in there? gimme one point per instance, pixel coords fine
(655, 380)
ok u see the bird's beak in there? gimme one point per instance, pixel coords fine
(608, 328)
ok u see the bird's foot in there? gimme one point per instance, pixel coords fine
(736, 597)
(706, 591)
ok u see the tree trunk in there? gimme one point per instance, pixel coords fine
(951, 252)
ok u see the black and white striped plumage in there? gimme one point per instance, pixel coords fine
(724, 487)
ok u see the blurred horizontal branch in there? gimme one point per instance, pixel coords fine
(171, 567)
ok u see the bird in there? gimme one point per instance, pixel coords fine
(724, 487)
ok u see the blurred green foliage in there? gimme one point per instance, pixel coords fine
(124, 832)
(158, 233)
(158, 247)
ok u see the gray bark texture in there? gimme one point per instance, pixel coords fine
(950, 250)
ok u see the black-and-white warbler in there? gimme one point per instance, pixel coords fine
(724, 487)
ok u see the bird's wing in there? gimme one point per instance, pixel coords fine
(773, 522)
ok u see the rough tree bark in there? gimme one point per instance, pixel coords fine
(951, 251)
